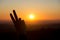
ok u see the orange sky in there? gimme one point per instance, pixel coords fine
(43, 10)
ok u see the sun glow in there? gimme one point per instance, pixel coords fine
(31, 16)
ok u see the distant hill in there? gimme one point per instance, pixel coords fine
(8, 25)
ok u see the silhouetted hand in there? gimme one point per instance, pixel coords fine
(18, 23)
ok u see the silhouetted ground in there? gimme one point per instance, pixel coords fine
(47, 32)
(50, 31)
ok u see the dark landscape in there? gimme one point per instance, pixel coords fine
(47, 31)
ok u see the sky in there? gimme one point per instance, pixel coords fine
(42, 9)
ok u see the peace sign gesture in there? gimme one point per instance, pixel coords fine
(18, 23)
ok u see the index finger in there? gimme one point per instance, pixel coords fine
(12, 18)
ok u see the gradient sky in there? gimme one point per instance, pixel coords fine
(42, 9)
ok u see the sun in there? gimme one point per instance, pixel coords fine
(31, 16)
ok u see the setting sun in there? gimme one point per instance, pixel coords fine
(31, 16)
